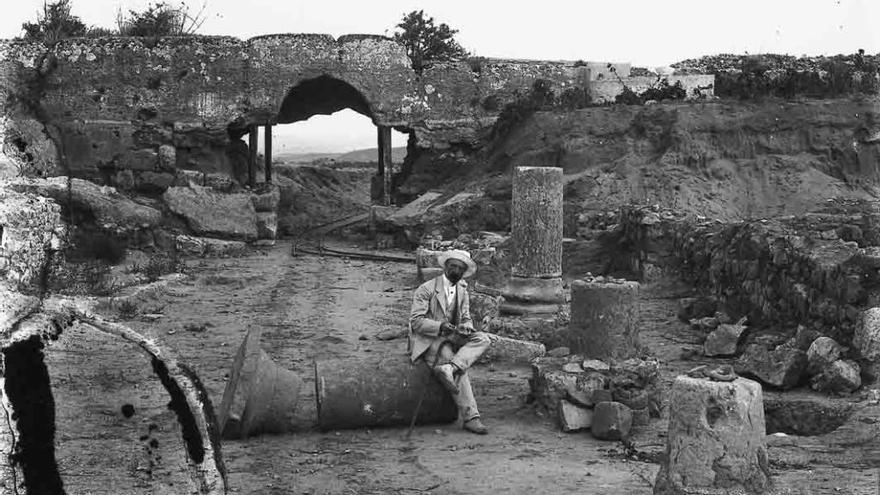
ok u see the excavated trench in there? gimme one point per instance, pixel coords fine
(805, 416)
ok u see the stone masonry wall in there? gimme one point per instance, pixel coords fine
(606, 90)
(818, 269)
(110, 104)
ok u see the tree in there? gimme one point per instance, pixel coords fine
(160, 19)
(426, 42)
(54, 23)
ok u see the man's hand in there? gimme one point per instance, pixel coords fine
(464, 330)
(447, 329)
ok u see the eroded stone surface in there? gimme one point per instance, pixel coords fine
(716, 440)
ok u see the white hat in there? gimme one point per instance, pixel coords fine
(460, 255)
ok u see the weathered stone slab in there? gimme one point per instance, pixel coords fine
(212, 213)
(611, 421)
(412, 213)
(716, 441)
(574, 418)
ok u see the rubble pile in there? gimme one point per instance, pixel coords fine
(608, 398)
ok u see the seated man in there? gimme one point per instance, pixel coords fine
(441, 333)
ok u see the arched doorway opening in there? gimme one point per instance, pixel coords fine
(329, 118)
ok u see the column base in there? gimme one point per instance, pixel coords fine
(526, 296)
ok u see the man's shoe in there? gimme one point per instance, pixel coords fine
(476, 426)
(445, 373)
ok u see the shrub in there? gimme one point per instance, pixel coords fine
(160, 19)
(54, 23)
(426, 42)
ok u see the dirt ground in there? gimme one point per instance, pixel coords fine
(311, 308)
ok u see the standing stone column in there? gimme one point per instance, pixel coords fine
(536, 227)
(716, 441)
(604, 318)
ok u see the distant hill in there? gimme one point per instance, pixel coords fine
(368, 155)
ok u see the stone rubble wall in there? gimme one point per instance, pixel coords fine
(818, 269)
(696, 86)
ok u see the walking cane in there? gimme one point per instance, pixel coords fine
(415, 415)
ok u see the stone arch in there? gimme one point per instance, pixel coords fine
(322, 95)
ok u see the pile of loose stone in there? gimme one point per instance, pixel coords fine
(807, 355)
(605, 396)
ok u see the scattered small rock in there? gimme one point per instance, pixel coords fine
(363, 337)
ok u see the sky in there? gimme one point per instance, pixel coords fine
(647, 33)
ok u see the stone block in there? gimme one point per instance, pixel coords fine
(267, 225)
(723, 341)
(611, 421)
(220, 182)
(549, 384)
(716, 442)
(143, 160)
(511, 350)
(573, 417)
(839, 377)
(154, 181)
(208, 212)
(821, 353)
(782, 367)
(184, 178)
(167, 157)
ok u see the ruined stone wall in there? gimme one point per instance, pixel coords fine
(605, 90)
(818, 269)
(104, 108)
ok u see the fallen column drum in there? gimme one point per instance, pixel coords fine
(357, 393)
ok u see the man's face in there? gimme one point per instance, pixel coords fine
(455, 269)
